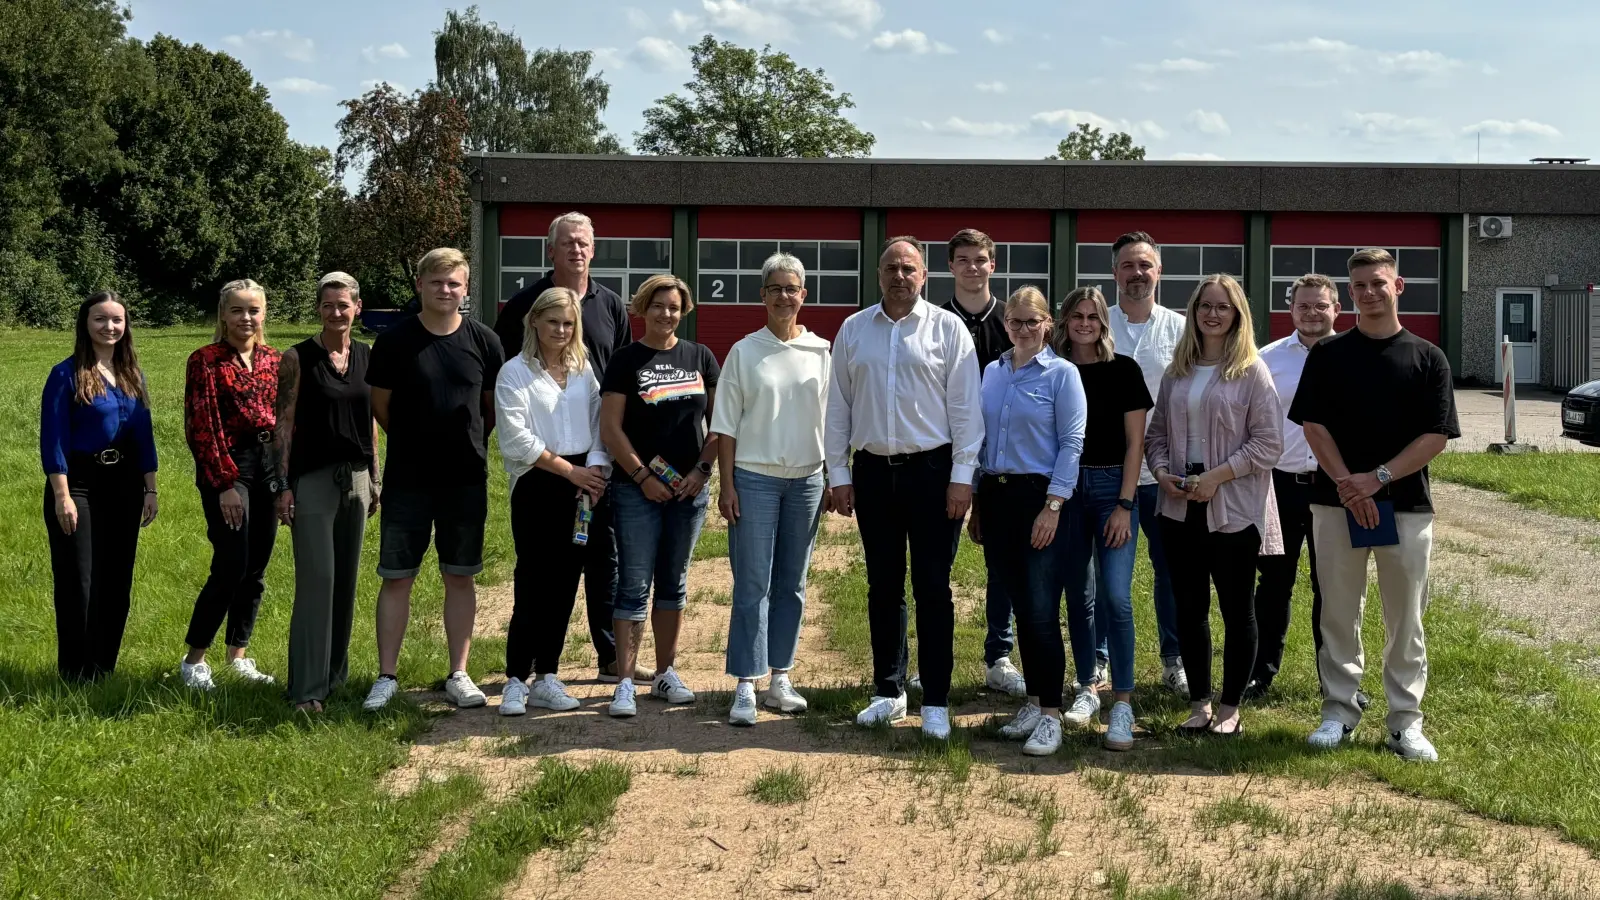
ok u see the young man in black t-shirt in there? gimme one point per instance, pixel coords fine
(972, 260)
(432, 381)
(1377, 404)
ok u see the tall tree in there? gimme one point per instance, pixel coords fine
(1088, 143)
(413, 193)
(744, 103)
(516, 103)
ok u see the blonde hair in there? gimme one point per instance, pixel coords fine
(654, 285)
(1105, 347)
(240, 286)
(1313, 280)
(1030, 298)
(573, 356)
(1372, 257)
(1238, 353)
(442, 259)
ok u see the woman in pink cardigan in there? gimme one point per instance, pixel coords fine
(1215, 434)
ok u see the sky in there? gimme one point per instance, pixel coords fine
(1466, 81)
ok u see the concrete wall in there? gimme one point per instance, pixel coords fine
(1567, 247)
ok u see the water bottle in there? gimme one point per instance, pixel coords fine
(668, 474)
(580, 521)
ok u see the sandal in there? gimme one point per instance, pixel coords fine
(1238, 729)
(1202, 728)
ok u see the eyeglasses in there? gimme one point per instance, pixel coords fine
(1307, 307)
(1024, 324)
(1205, 309)
(786, 290)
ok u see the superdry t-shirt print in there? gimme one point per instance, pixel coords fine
(668, 392)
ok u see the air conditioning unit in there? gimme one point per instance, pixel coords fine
(1494, 226)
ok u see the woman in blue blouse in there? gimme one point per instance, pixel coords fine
(1034, 415)
(100, 464)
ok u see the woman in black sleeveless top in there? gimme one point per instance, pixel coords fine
(326, 430)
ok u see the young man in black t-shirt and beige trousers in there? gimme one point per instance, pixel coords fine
(432, 379)
(1377, 405)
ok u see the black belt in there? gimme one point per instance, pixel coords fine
(1042, 482)
(1194, 469)
(1299, 477)
(900, 459)
(110, 456)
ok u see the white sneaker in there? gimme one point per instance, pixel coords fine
(1003, 676)
(549, 693)
(622, 700)
(1173, 676)
(1329, 734)
(936, 722)
(514, 698)
(914, 682)
(461, 691)
(1120, 735)
(1021, 724)
(883, 709)
(782, 696)
(669, 687)
(1084, 708)
(1102, 672)
(245, 668)
(1410, 744)
(744, 705)
(197, 676)
(1046, 737)
(383, 690)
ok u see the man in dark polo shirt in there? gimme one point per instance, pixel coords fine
(570, 246)
(971, 258)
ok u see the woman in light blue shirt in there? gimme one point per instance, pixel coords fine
(1034, 415)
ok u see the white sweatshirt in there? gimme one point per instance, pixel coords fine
(771, 399)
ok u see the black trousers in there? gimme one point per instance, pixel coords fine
(1028, 576)
(900, 501)
(600, 583)
(239, 556)
(1275, 590)
(93, 566)
(1198, 558)
(545, 589)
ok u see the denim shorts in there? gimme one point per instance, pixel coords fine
(655, 542)
(452, 516)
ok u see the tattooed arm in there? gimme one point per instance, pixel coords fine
(288, 393)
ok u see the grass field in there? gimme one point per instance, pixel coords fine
(1563, 483)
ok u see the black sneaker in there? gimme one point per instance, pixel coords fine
(1256, 690)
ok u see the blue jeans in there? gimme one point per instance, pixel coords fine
(1166, 606)
(655, 541)
(769, 549)
(1098, 579)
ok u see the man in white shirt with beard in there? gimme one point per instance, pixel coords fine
(1148, 332)
(905, 398)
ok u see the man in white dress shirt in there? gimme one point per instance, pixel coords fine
(905, 398)
(1148, 332)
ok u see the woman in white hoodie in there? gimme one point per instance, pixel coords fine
(769, 416)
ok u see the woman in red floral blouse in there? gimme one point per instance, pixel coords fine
(229, 398)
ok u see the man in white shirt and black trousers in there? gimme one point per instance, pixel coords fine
(905, 397)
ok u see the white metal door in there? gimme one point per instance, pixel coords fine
(1517, 318)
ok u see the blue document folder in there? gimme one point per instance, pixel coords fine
(1385, 535)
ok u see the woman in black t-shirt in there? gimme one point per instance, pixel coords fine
(1100, 523)
(655, 411)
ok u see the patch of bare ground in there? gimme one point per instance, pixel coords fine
(1535, 567)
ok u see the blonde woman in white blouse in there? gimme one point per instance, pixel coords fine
(547, 414)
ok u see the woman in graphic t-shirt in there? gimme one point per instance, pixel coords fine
(655, 408)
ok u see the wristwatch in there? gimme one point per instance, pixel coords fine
(1383, 475)
(704, 468)
(277, 484)
(1053, 504)
(1126, 504)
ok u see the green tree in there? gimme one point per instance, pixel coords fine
(744, 103)
(516, 103)
(1088, 143)
(413, 193)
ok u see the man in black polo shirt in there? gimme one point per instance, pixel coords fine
(971, 258)
(570, 246)
(1377, 405)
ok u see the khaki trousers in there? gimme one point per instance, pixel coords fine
(1403, 586)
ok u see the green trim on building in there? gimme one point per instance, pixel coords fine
(874, 225)
(1063, 255)
(1258, 272)
(489, 264)
(1452, 286)
(685, 259)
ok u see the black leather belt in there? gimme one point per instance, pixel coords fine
(900, 459)
(110, 456)
(1299, 477)
(1011, 478)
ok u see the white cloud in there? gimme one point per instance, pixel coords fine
(371, 83)
(1182, 64)
(1196, 157)
(683, 22)
(387, 51)
(909, 41)
(1389, 128)
(847, 17)
(1067, 120)
(1519, 128)
(660, 55)
(1418, 62)
(1348, 58)
(994, 37)
(1490, 70)
(638, 19)
(959, 126)
(1207, 122)
(609, 59)
(1223, 53)
(286, 43)
(746, 19)
(991, 87)
(298, 86)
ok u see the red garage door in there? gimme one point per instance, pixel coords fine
(1322, 243)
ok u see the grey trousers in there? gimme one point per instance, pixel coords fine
(330, 520)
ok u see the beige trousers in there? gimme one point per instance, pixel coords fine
(1403, 587)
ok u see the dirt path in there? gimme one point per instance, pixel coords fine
(895, 824)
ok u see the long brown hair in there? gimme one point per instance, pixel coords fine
(124, 362)
(1105, 346)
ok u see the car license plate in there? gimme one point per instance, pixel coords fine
(1574, 416)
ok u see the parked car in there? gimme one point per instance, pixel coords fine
(1580, 414)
